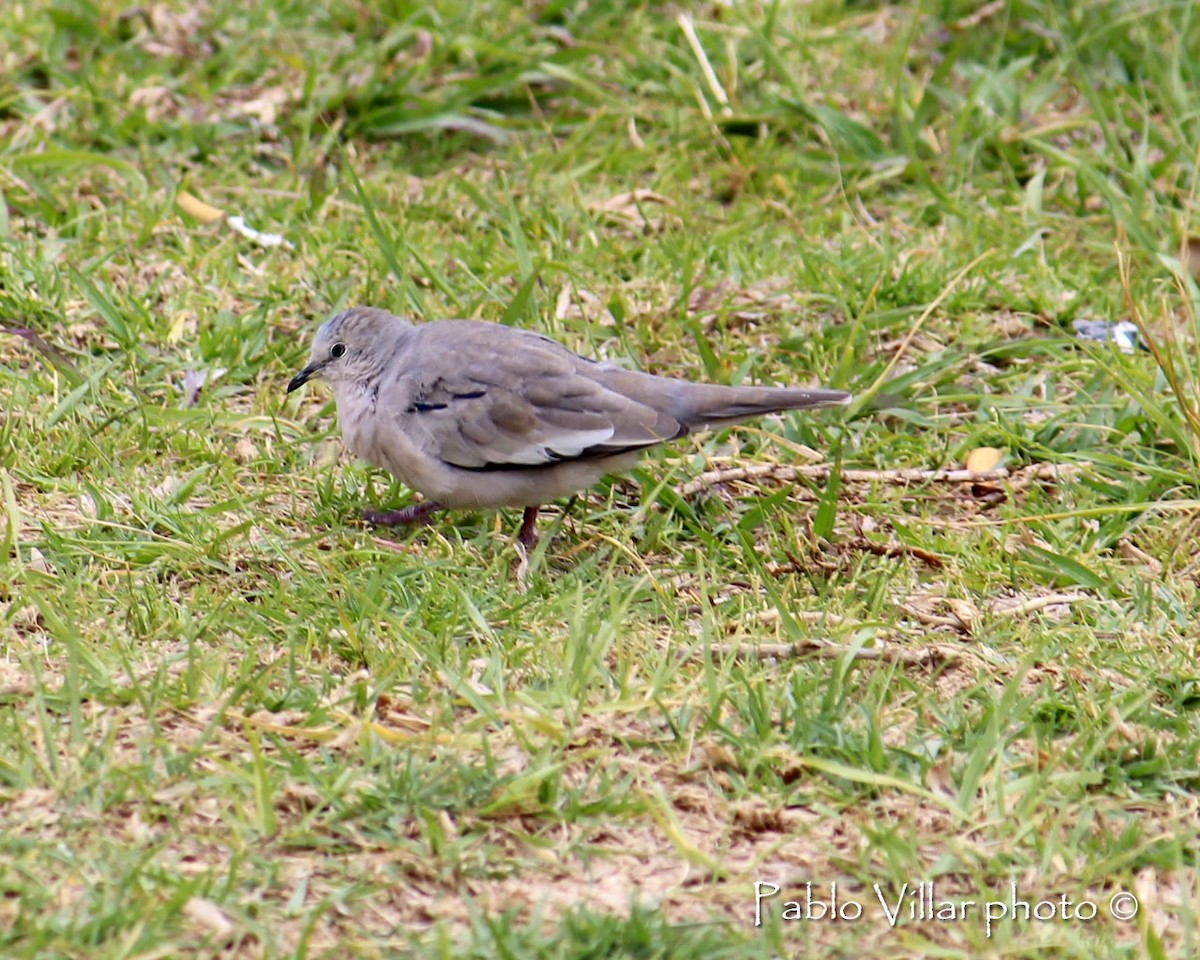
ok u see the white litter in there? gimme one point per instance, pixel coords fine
(1124, 334)
(262, 239)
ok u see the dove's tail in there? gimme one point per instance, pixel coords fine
(703, 406)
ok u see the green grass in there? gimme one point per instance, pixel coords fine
(236, 722)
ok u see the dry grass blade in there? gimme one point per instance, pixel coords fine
(57, 358)
(1164, 357)
(864, 397)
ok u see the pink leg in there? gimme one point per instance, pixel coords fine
(528, 535)
(394, 518)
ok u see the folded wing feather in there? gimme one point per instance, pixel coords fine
(506, 408)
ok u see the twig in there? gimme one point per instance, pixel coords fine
(894, 550)
(1036, 603)
(819, 617)
(824, 650)
(932, 619)
(787, 474)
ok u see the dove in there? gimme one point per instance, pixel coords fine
(472, 414)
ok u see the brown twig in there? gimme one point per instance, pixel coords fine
(787, 474)
(933, 619)
(894, 550)
(934, 654)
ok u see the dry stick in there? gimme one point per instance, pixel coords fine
(824, 650)
(759, 471)
(1037, 603)
(1016, 609)
(806, 616)
(895, 550)
(932, 619)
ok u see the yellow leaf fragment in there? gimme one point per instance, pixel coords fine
(982, 459)
(197, 208)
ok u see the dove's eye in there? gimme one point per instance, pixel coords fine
(337, 351)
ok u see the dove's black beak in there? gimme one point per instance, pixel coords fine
(304, 376)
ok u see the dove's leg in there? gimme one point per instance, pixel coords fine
(528, 535)
(394, 518)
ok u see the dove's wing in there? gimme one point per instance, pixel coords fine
(481, 396)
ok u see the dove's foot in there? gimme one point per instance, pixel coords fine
(528, 534)
(395, 518)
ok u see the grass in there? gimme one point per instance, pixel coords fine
(236, 722)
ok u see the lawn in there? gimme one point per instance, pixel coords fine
(809, 687)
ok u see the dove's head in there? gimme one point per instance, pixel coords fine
(352, 347)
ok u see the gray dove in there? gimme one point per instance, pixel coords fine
(476, 414)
